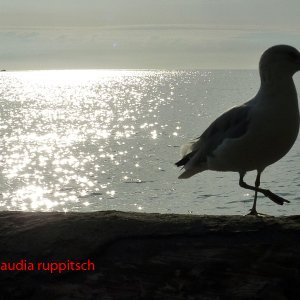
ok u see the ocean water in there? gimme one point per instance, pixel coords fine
(90, 140)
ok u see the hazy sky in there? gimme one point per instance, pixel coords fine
(57, 34)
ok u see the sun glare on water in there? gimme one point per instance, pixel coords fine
(64, 134)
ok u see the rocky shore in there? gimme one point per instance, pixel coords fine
(118, 255)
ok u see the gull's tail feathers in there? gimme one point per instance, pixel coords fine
(189, 173)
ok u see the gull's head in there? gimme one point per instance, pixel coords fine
(279, 61)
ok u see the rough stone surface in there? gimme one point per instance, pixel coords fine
(152, 256)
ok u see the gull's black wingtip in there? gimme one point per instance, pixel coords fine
(183, 161)
(177, 164)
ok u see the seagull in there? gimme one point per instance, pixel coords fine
(255, 134)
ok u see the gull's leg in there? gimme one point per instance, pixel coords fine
(257, 184)
(277, 199)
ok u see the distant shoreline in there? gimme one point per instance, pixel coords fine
(126, 69)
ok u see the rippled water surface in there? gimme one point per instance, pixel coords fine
(99, 140)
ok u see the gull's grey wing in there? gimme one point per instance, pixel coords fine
(230, 125)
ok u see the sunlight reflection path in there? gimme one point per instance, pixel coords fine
(67, 132)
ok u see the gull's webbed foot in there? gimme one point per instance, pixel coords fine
(253, 212)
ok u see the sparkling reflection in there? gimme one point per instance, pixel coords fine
(70, 138)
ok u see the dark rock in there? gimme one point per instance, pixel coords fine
(151, 256)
